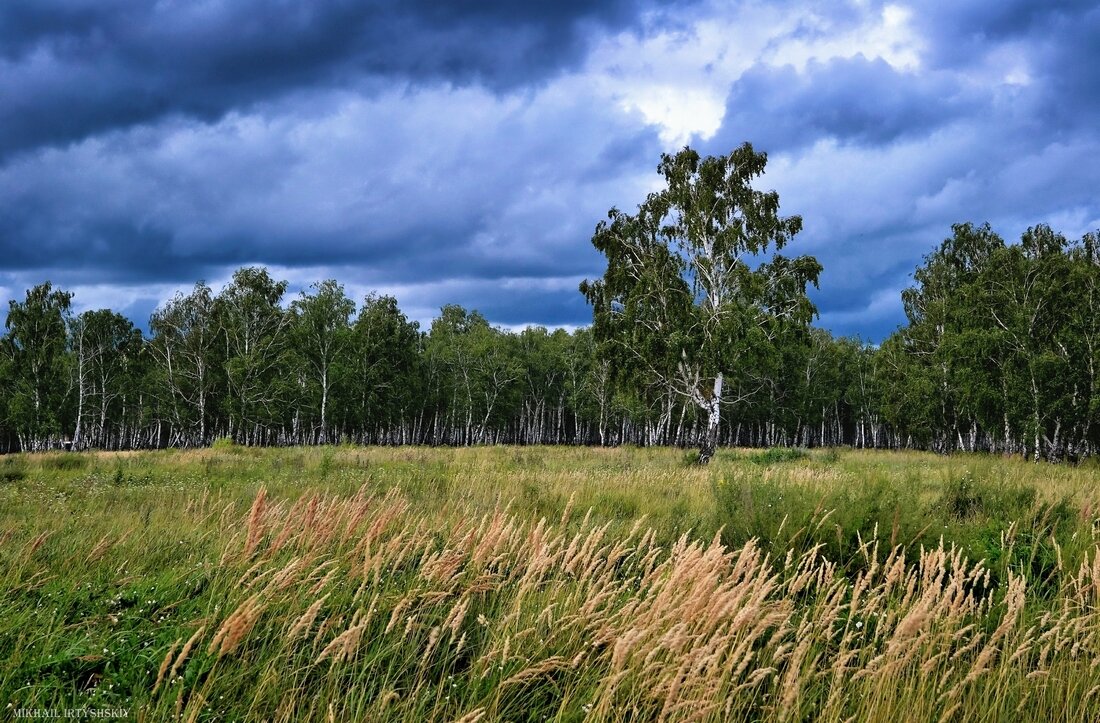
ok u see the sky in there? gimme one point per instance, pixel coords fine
(463, 151)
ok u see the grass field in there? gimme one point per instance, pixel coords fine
(532, 584)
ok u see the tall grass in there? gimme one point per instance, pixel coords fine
(532, 585)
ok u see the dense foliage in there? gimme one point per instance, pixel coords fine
(1002, 347)
(1001, 352)
(687, 309)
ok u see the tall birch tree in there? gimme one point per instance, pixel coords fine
(37, 339)
(185, 345)
(102, 342)
(686, 300)
(321, 329)
(253, 326)
(384, 369)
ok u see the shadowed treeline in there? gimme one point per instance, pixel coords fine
(1001, 353)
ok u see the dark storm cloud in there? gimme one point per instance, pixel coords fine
(388, 190)
(72, 68)
(1070, 67)
(954, 30)
(1057, 41)
(461, 152)
(849, 99)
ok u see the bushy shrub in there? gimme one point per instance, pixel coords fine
(126, 478)
(12, 470)
(691, 458)
(65, 461)
(225, 444)
(778, 455)
(784, 515)
(751, 505)
(1001, 522)
(966, 496)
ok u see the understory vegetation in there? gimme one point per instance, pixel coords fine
(536, 583)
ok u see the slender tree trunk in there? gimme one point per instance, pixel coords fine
(714, 418)
(79, 396)
(1035, 415)
(103, 414)
(324, 406)
(202, 411)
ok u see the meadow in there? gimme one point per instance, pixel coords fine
(540, 583)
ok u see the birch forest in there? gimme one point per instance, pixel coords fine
(1000, 353)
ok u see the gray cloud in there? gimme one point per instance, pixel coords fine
(993, 125)
(462, 152)
(853, 100)
(73, 68)
(380, 191)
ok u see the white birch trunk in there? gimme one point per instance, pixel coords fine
(79, 394)
(324, 405)
(714, 418)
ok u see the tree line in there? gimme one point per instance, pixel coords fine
(1000, 353)
(697, 340)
